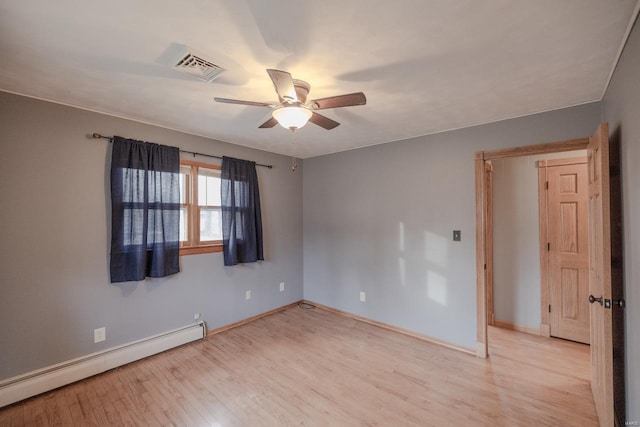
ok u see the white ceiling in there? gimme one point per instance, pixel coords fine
(425, 66)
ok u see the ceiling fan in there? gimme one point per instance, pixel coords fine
(294, 111)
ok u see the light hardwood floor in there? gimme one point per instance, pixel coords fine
(315, 368)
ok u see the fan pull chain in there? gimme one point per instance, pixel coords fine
(294, 162)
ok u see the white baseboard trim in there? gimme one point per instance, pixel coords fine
(39, 381)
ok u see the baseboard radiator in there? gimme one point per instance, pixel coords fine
(30, 384)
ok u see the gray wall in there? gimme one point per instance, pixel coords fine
(380, 220)
(55, 216)
(621, 108)
(516, 238)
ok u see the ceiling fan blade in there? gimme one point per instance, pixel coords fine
(268, 124)
(237, 101)
(339, 101)
(323, 121)
(283, 84)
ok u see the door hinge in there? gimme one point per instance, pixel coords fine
(548, 247)
(546, 185)
(485, 266)
(549, 308)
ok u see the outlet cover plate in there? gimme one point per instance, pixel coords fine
(99, 335)
(281, 286)
(363, 297)
(247, 295)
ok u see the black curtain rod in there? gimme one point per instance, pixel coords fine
(110, 138)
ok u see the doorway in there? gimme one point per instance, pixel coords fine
(604, 264)
(539, 283)
(481, 159)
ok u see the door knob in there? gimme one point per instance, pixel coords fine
(593, 299)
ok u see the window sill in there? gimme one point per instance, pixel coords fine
(201, 249)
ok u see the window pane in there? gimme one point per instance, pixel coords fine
(184, 184)
(208, 187)
(210, 224)
(208, 171)
(183, 224)
(213, 191)
(202, 190)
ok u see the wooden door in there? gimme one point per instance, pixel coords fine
(600, 275)
(568, 249)
(617, 281)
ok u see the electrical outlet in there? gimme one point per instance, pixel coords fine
(247, 295)
(281, 286)
(99, 335)
(457, 235)
(196, 316)
(363, 297)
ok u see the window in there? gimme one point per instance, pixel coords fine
(200, 211)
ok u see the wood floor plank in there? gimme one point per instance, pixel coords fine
(317, 368)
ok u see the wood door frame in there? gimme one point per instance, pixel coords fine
(545, 296)
(480, 157)
(488, 169)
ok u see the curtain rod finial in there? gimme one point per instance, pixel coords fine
(96, 135)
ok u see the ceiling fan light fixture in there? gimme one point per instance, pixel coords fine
(292, 117)
(293, 111)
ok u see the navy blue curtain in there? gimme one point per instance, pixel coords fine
(145, 210)
(241, 216)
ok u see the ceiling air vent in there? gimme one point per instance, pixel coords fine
(193, 63)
